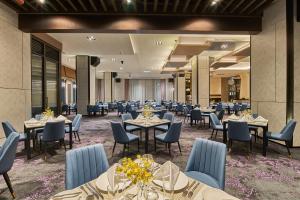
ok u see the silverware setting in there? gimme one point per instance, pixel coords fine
(96, 190)
(191, 192)
(66, 196)
(91, 189)
(185, 192)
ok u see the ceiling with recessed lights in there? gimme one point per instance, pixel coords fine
(153, 55)
(143, 7)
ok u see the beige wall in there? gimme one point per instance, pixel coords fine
(119, 90)
(194, 63)
(245, 85)
(107, 86)
(181, 89)
(215, 85)
(203, 80)
(15, 71)
(268, 70)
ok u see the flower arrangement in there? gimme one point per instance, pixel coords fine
(48, 113)
(138, 171)
(146, 112)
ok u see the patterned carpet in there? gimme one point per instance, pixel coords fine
(272, 177)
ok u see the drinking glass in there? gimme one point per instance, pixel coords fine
(112, 191)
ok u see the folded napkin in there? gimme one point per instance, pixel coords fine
(111, 176)
(233, 117)
(60, 117)
(260, 119)
(168, 172)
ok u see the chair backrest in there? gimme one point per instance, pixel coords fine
(174, 132)
(196, 114)
(84, 164)
(78, 122)
(221, 114)
(134, 114)
(162, 113)
(219, 107)
(238, 130)
(214, 120)
(288, 131)
(179, 108)
(54, 131)
(126, 116)
(119, 132)
(8, 128)
(169, 116)
(208, 157)
(189, 106)
(186, 110)
(236, 107)
(8, 152)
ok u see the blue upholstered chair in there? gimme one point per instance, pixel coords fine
(221, 115)
(187, 113)
(122, 137)
(196, 116)
(179, 109)
(120, 108)
(171, 136)
(85, 164)
(54, 131)
(254, 128)
(206, 163)
(134, 114)
(164, 128)
(75, 126)
(219, 107)
(8, 129)
(7, 157)
(129, 128)
(162, 113)
(239, 131)
(286, 134)
(216, 124)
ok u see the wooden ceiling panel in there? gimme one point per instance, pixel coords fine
(189, 50)
(144, 7)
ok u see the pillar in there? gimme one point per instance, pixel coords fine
(203, 81)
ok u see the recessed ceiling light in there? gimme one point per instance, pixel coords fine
(214, 2)
(121, 68)
(42, 1)
(146, 71)
(159, 43)
(91, 38)
(113, 59)
(128, 1)
(224, 46)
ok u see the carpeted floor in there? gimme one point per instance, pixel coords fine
(272, 177)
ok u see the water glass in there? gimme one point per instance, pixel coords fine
(112, 192)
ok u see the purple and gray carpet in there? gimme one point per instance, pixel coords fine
(273, 177)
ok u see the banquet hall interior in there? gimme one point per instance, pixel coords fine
(149, 99)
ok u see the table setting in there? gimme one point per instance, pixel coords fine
(143, 179)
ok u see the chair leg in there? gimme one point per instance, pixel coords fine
(212, 133)
(114, 147)
(288, 149)
(154, 144)
(64, 143)
(251, 146)
(78, 136)
(138, 145)
(45, 151)
(8, 183)
(169, 146)
(179, 147)
(216, 134)
(124, 147)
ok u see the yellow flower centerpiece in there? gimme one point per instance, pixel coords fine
(137, 171)
(147, 112)
(48, 113)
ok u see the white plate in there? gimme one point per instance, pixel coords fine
(102, 183)
(181, 183)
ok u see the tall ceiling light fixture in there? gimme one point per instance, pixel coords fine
(42, 1)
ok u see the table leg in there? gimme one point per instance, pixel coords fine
(265, 141)
(70, 136)
(102, 111)
(146, 139)
(27, 142)
(224, 133)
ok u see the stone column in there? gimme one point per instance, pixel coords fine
(203, 80)
(194, 64)
(83, 83)
(108, 87)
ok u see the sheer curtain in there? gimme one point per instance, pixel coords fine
(142, 90)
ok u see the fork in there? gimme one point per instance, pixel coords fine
(185, 192)
(191, 193)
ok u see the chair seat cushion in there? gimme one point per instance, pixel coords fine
(275, 136)
(132, 128)
(67, 129)
(162, 127)
(132, 137)
(204, 178)
(22, 137)
(161, 137)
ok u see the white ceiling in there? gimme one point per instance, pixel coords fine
(140, 52)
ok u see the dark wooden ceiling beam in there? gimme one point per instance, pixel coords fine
(155, 6)
(103, 5)
(166, 6)
(175, 6)
(145, 6)
(257, 7)
(227, 6)
(62, 5)
(52, 6)
(247, 6)
(82, 5)
(72, 5)
(206, 5)
(50, 23)
(196, 6)
(113, 3)
(27, 3)
(186, 5)
(134, 5)
(237, 6)
(93, 5)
